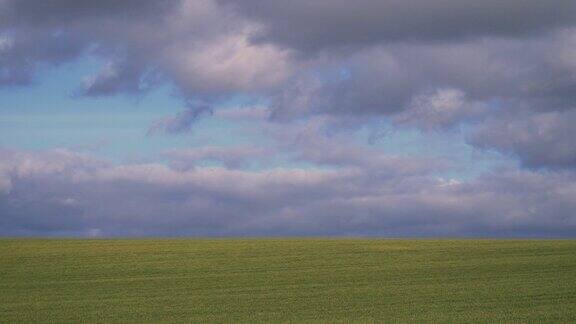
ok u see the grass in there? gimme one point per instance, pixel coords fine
(299, 280)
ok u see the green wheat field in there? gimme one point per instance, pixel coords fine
(287, 280)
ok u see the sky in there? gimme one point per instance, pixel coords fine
(377, 118)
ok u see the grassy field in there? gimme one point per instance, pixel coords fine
(307, 280)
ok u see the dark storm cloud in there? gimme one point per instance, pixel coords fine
(55, 193)
(321, 24)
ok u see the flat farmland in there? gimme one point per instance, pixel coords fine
(287, 280)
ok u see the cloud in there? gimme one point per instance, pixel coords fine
(244, 113)
(373, 58)
(201, 48)
(72, 199)
(437, 87)
(500, 72)
(385, 79)
(119, 77)
(539, 140)
(228, 64)
(5, 184)
(59, 31)
(340, 24)
(181, 122)
(312, 142)
(230, 157)
(442, 108)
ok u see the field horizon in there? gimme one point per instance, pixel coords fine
(303, 279)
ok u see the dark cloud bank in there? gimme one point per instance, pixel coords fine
(501, 74)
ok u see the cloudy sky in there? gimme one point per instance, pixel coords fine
(394, 118)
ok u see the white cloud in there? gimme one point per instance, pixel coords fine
(440, 109)
(228, 63)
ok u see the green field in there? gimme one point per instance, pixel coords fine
(299, 280)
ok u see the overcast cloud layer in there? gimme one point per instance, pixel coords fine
(498, 75)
